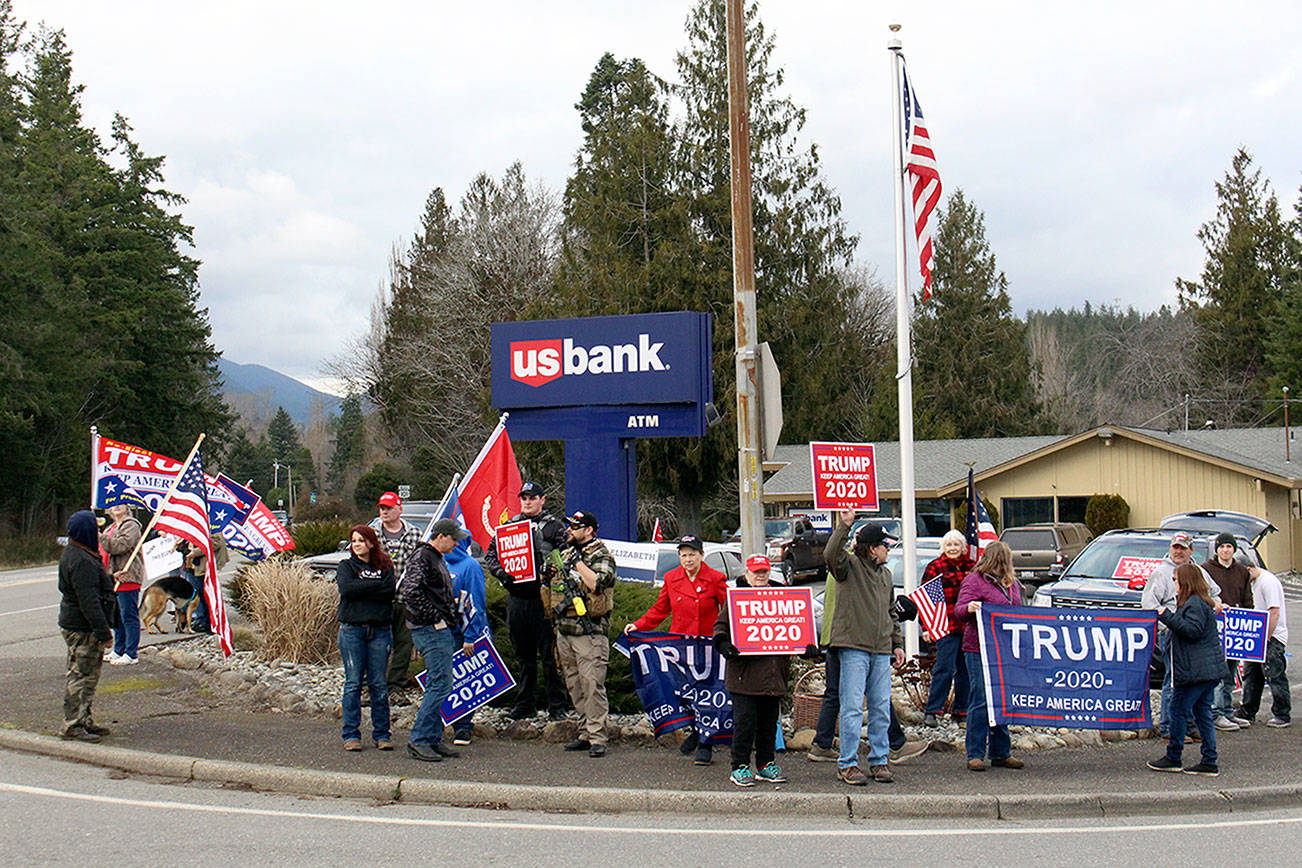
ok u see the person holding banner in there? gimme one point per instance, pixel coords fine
(993, 581)
(119, 542)
(582, 594)
(1236, 590)
(1268, 593)
(532, 636)
(692, 596)
(866, 635)
(366, 591)
(950, 667)
(757, 683)
(1197, 664)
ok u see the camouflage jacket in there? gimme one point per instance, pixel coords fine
(566, 585)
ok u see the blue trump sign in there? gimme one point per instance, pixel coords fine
(680, 682)
(1076, 668)
(477, 679)
(1243, 634)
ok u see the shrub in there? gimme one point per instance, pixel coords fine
(28, 551)
(1106, 512)
(296, 614)
(374, 482)
(318, 537)
(325, 508)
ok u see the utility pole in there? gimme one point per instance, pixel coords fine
(749, 473)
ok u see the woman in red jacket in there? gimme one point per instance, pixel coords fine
(692, 595)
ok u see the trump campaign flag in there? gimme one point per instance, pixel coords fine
(980, 529)
(184, 513)
(490, 492)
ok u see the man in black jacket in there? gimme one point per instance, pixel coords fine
(436, 630)
(531, 634)
(85, 612)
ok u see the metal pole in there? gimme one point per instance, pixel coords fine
(1287, 456)
(750, 476)
(903, 347)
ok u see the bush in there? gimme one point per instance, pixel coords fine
(28, 551)
(331, 508)
(318, 537)
(296, 614)
(1106, 512)
(374, 482)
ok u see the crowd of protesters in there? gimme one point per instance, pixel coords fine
(399, 591)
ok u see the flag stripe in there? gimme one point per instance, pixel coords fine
(921, 167)
(933, 616)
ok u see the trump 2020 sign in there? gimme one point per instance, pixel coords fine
(1075, 668)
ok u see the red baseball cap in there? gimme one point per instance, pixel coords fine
(390, 498)
(758, 564)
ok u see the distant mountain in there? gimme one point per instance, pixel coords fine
(255, 391)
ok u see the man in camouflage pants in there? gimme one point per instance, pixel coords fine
(85, 613)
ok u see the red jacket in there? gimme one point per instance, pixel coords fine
(694, 605)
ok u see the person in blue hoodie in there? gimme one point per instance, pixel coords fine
(468, 588)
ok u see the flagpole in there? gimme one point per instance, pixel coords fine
(903, 349)
(443, 504)
(94, 451)
(166, 497)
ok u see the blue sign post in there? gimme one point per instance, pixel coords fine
(600, 384)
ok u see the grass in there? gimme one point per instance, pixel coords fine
(126, 685)
(28, 551)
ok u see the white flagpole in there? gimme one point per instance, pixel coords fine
(94, 452)
(904, 349)
(456, 477)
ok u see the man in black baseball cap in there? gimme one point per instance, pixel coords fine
(532, 636)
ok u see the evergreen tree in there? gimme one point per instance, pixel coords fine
(1284, 340)
(973, 367)
(1236, 297)
(348, 443)
(282, 433)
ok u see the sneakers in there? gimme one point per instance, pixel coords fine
(122, 660)
(384, 745)
(1241, 721)
(352, 745)
(976, 765)
(882, 774)
(771, 773)
(1205, 769)
(1008, 762)
(597, 751)
(742, 777)
(109, 656)
(461, 739)
(853, 776)
(818, 754)
(1278, 722)
(1224, 724)
(1165, 764)
(930, 720)
(704, 756)
(908, 751)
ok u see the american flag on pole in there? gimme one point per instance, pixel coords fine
(920, 164)
(184, 513)
(656, 534)
(933, 617)
(980, 529)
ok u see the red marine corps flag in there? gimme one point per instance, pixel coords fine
(490, 493)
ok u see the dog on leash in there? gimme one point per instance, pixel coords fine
(154, 603)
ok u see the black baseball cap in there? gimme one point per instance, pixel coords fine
(582, 518)
(531, 488)
(873, 535)
(447, 527)
(692, 542)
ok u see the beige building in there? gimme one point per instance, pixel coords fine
(1051, 478)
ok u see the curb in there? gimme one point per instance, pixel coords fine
(520, 797)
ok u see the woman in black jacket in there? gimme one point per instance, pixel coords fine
(366, 589)
(1197, 664)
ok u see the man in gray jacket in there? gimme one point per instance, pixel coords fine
(1160, 590)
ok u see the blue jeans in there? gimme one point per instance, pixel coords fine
(1164, 651)
(1223, 698)
(365, 650)
(1196, 697)
(126, 633)
(1272, 672)
(864, 674)
(981, 736)
(435, 648)
(950, 666)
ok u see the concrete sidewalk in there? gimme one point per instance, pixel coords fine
(168, 722)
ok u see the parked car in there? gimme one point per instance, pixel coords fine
(1218, 520)
(1043, 549)
(418, 513)
(796, 547)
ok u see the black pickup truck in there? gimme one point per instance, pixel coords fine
(796, 545)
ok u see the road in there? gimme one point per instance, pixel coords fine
(59, 813)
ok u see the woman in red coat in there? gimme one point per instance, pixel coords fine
(692, 595)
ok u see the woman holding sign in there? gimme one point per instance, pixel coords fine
(993, 581)
(366, 588)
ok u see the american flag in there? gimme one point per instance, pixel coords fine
(920, 164)
(933, 617)
(184, 513)
(980, 529)
(656, 534)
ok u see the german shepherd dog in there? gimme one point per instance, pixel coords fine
(154, 603)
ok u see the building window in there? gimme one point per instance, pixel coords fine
(1025, 510)
(1072, 508)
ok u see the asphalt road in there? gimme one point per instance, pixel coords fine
(60, 813)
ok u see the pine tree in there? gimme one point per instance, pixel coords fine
(1236, 296)
(283, 436)
(348, 444)
(1284, 338)
(973, 367)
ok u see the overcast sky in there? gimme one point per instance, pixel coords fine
(307, 135)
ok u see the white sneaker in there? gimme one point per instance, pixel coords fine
(109, 656)
(1224, 724)
(130, 661)
(123, 660)
(1278, 723)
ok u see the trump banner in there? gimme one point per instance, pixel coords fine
(1074, 668)
(680, 682)
(773, 619)
(477, 679)
(1243, 633)
(515, 550)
